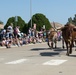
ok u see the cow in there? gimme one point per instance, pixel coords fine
(52, 38)
(69, 35)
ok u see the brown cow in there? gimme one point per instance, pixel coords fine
(52, 38)
(69, 34)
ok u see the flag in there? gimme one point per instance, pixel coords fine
(34, 26)
(43, 26)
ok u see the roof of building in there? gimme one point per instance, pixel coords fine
(1, 26)
(56, 25)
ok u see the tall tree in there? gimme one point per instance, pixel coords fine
(40, 20)
(16, 22)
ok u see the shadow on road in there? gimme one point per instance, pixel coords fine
(49, 53)
(37, 49)
(53, 52)
(59, 49)
(56, 51)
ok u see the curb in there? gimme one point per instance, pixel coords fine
(23, 45)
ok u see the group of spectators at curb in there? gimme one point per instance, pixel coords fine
(14, 37)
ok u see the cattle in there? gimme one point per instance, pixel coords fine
(69, 35)
(52, 38)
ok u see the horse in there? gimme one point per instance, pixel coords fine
(69, 35)
(52, 38)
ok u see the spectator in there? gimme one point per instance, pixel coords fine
(10, 30)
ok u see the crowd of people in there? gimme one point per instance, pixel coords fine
(13, 36)
(10, 36)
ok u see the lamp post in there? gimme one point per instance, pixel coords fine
(16, 20)
(31, 12)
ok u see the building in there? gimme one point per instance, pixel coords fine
(1, 26)
(56, 25)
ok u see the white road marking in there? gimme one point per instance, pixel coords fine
(16, 61)
(54, 62)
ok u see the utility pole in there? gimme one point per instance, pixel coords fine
(16, 20)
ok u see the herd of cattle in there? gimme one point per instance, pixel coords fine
(68, 37)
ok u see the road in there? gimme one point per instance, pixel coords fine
(37, 59)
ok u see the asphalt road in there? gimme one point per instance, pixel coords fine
(37, 59)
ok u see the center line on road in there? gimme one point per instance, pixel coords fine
(16, 61)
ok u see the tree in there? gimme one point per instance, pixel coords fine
(40, 20)
(25, 28)
(73, 21)
(20, 22)
(70, 20)
(1, 22)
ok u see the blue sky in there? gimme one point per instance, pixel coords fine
(54, 10)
